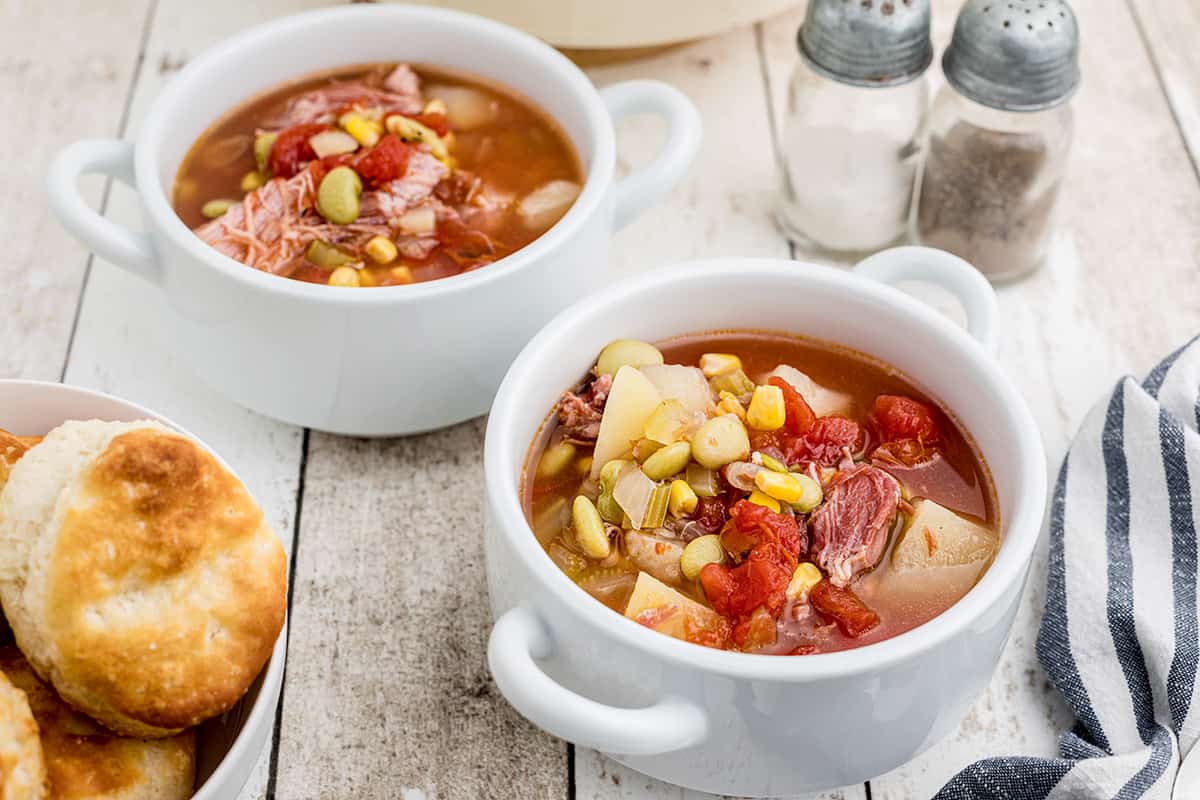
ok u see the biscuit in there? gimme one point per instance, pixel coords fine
(86, 761)
(138, 575)
(22, 770)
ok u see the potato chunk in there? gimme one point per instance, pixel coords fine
(937, 537)
(661, 608)
(631, 401)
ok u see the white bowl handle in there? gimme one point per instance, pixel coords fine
(519, 638)
(112, 242)
(950, 272)
(644, 188)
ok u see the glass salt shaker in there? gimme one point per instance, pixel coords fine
(849, 142)
(999, 135)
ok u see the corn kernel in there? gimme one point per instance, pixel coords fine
(381, 249)
(766, 412)
(344, 276)
(366, 132)
(780, 485)
(435, 106)
(584, 465)
(773, 464)
(401, 274)
(366, 277)
(714, 364)
(804, 578)
(253, 180)
(683, 499)
(765, 500)
(729, 404)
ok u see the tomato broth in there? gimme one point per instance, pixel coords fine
(378, 175)
(898, 523)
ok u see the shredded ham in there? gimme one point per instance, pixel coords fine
(401, 94)
(580, 413)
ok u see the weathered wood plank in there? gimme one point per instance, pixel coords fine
(118, 344)
(1171, 31)
(723, 208)
(50, 101)
(1072, 329)
(388, 692)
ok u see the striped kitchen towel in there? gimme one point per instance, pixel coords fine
(1119, 635)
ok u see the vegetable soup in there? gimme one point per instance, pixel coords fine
(761, 493)
(378, 175)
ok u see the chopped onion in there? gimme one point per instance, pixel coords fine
(332, 143)
(542, 207)
(417, 221)
(703, 481)
(633, 492)
(740, 475)
(685, 384)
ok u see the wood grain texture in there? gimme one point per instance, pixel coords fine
(119, 344)
(388, 692)
(50, 102)
(1171, 31)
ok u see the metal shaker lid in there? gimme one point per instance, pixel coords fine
(1014, 55)
(867, 42)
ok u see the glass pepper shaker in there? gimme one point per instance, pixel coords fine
(849, 142)
(999, 135)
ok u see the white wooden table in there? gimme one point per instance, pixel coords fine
(387, 693)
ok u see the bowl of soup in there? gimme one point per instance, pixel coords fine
(758, 527)
(359, 215)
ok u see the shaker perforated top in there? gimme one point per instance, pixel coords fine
(1014, 55)
(867, 42)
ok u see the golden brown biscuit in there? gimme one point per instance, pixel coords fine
(138, 575)
(22, 770)
(87, 762)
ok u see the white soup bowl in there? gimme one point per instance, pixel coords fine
(385, 360)
(736, 723)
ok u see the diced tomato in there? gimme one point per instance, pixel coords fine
(291, 149)
(761, 580)
(757, 630)
(435, 121)
(845, 608)
(900, 418)
(799, 415)
(386, 161)
(767, 526)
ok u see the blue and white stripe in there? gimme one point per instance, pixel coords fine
(1119, 633)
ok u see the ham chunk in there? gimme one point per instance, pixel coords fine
(850, 529)
(579, 413)
(400, 94)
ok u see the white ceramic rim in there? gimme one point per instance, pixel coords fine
(1022, 523)
(263, 710)
(191, 78)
